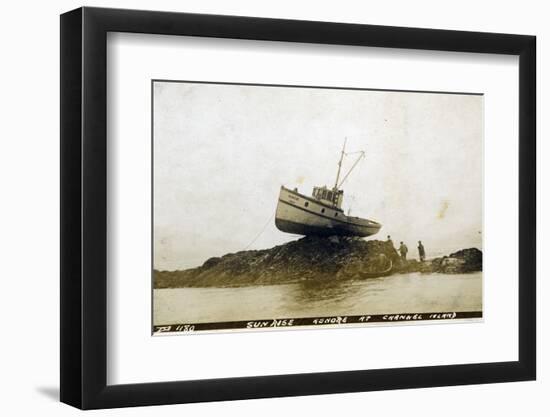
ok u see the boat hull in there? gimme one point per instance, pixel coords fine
(303, 215)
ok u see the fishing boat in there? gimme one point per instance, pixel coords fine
(321, 213)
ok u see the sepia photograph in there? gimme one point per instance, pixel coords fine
(297, 207)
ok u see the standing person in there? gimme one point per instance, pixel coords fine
(421, 251)
(389, 242)
(403, 251)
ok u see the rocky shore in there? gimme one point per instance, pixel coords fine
(313, 258)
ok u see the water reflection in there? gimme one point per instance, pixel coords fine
(393, 294)
(314, 292)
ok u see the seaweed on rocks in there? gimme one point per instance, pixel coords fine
(310, 258)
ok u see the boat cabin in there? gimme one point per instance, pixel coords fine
(328, 196)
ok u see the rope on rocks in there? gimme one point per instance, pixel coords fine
(261, 231)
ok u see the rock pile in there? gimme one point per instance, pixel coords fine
(310, 258)
(465, 260)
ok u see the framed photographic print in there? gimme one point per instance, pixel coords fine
(258, 207)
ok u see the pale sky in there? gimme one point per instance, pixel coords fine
(221, 153)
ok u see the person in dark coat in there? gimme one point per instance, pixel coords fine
(403, 251)
(421, 251)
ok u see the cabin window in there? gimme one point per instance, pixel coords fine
(306, 204)
(329, 195)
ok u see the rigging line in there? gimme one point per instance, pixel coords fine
(351, 169)
(261, 231)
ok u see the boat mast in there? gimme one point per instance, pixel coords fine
(340, 165)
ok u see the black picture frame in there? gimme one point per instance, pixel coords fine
(84, 207)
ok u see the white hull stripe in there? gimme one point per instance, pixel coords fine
(336, 219)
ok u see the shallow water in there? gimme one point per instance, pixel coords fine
(402, 293)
